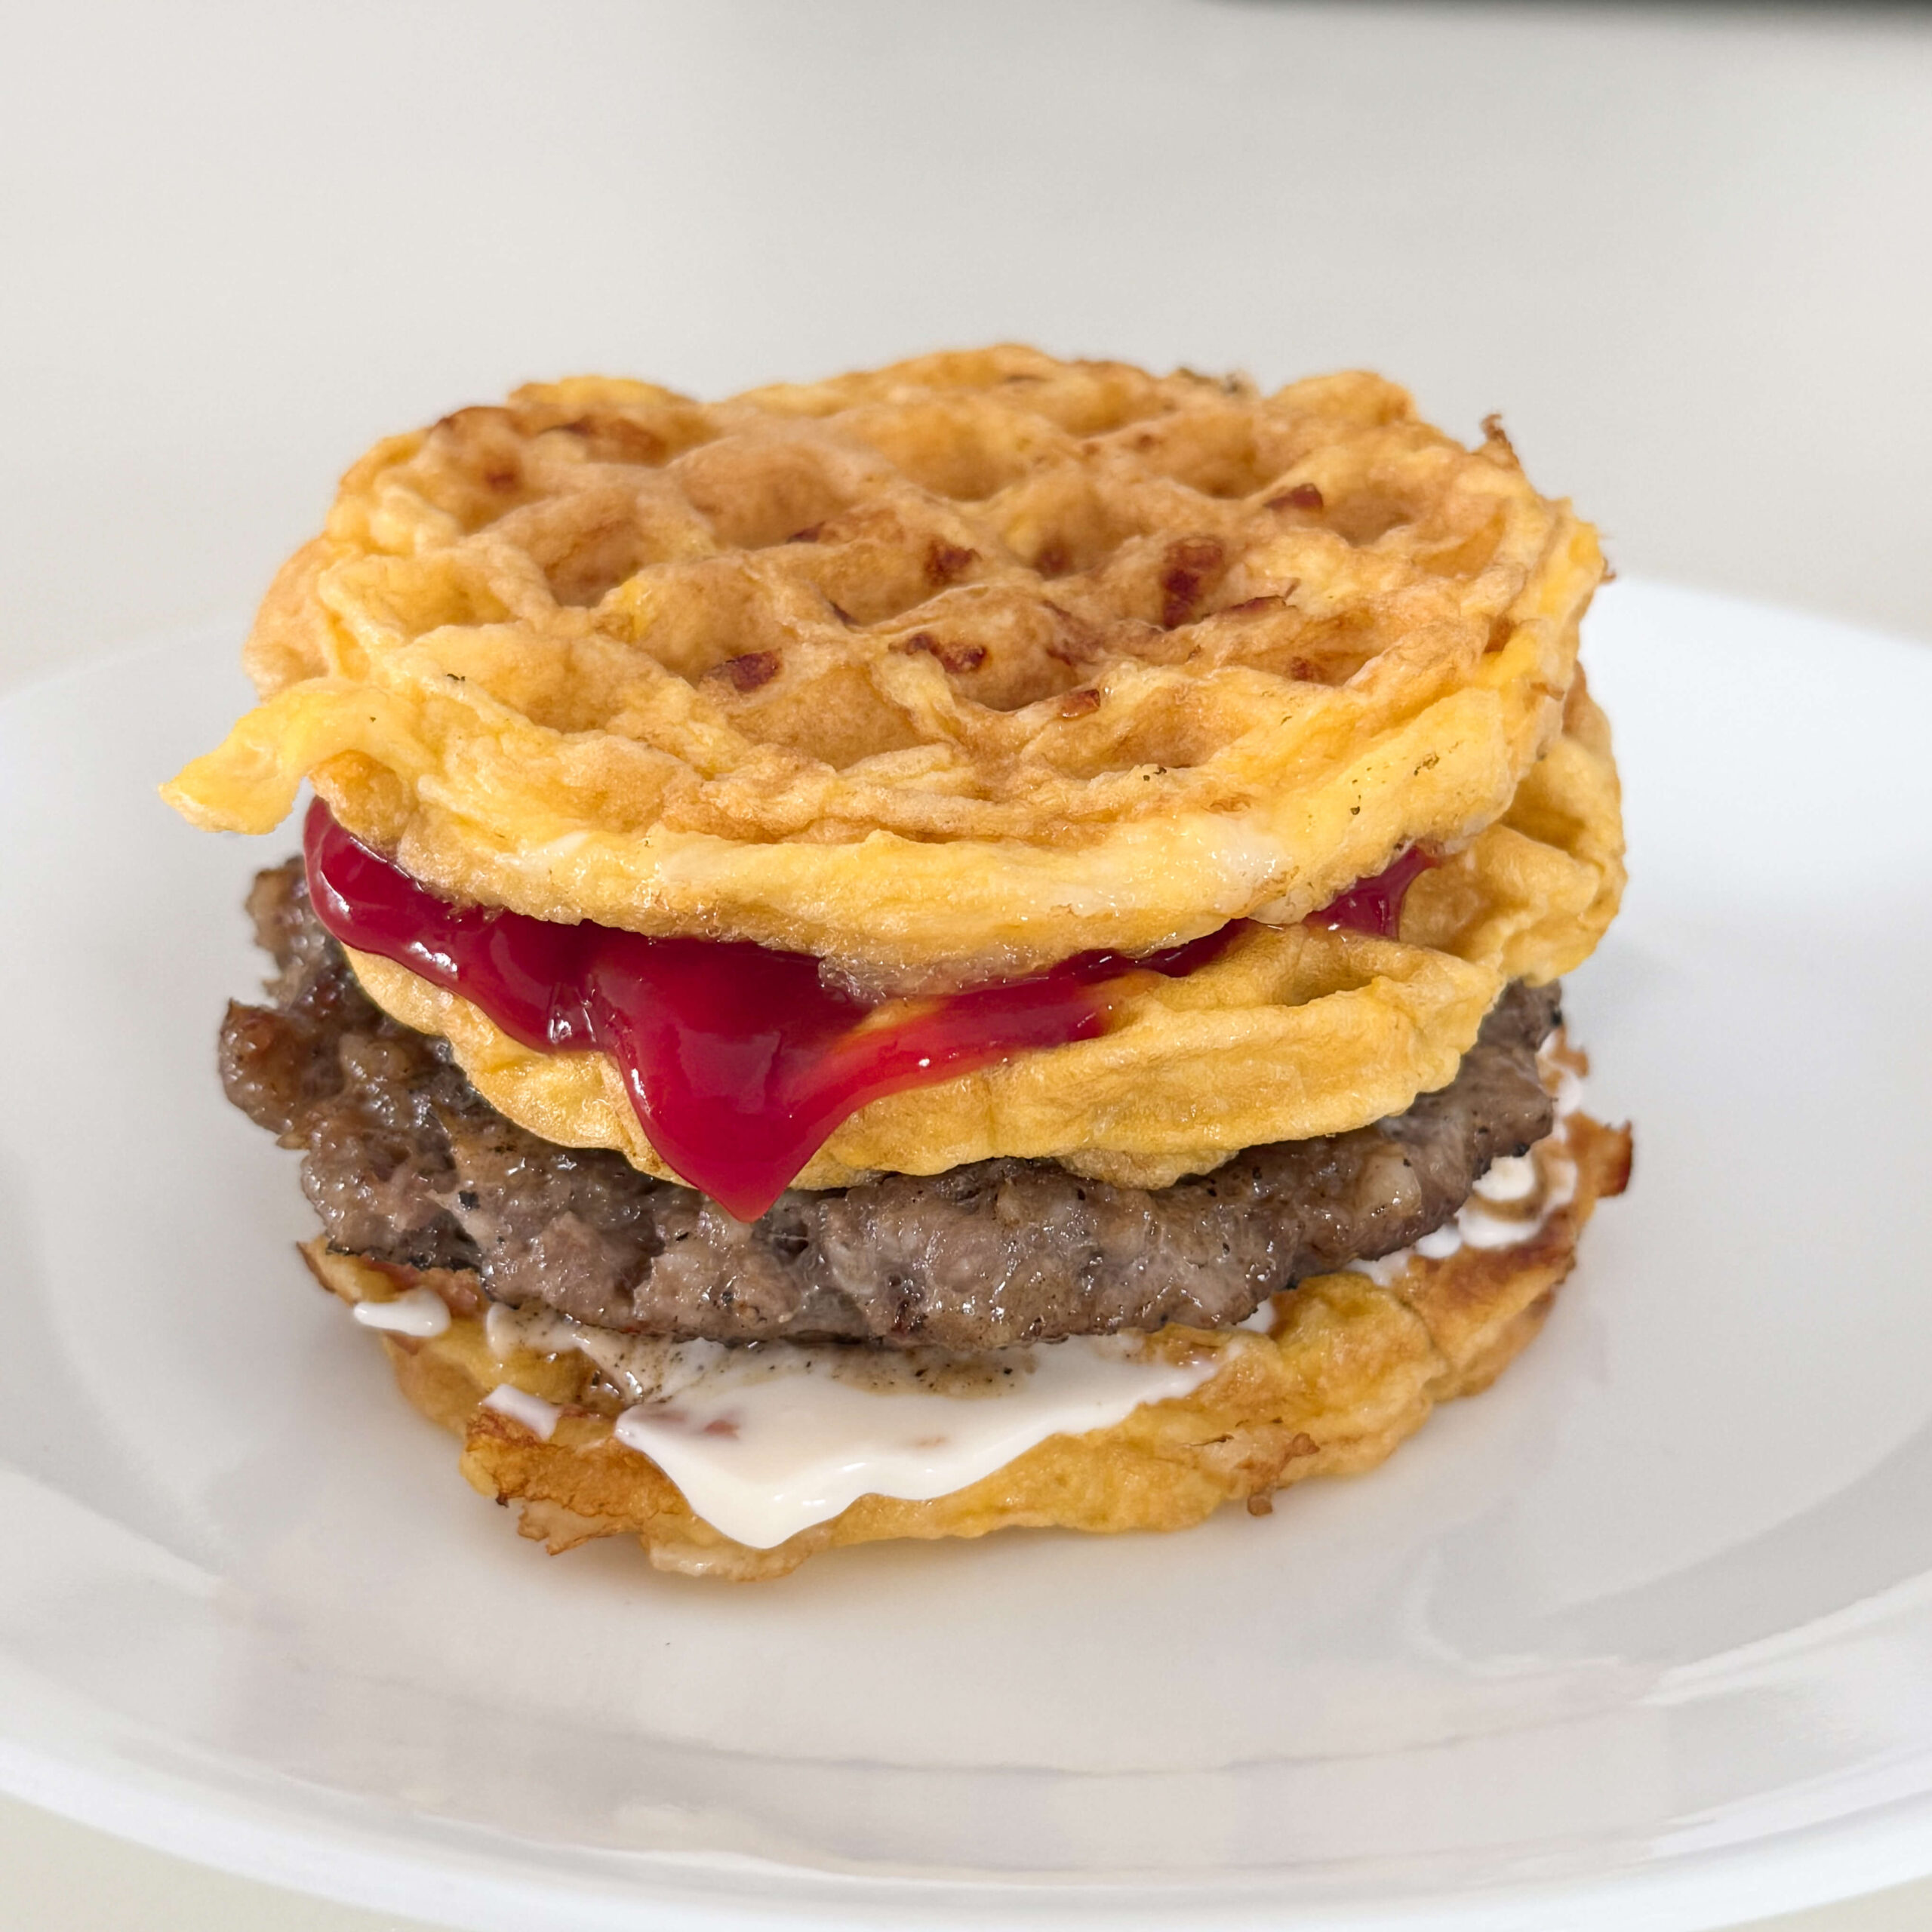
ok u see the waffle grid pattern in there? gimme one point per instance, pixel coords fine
(958, 665)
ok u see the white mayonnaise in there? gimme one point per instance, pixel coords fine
(765, 1439)
(538, 1415)
(1474, 1227)
(762, 1457)
(503, 1329)
(1543, 1180)
(419, 1311)
(1564, 1081)
(1511, 1178)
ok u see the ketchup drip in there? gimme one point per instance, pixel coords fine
(1374, 906)
(739, 1060)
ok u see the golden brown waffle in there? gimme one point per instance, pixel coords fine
(958, 666)
(1350, 1369)
(1292, 1032)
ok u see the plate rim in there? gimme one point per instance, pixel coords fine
(279, 1831)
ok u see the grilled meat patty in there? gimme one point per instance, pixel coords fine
(406, 1163)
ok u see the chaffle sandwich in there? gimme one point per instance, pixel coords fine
(975, 944)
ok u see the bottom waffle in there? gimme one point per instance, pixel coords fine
(1348, 1366)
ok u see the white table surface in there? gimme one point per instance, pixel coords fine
(1688, 253)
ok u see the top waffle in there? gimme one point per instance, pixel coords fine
(959, 666)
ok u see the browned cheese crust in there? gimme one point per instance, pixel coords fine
(1348, 1371)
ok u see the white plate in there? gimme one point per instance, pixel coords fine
(1644, 1635)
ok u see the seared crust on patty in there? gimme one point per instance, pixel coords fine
(407, 1165)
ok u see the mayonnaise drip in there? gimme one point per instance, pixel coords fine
(419, 1311)
(763, 1459)
(537, 1415)
(765, 1439)
(1535, 1184)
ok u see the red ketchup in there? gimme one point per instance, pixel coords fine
(740, 1061)
(1374, 906)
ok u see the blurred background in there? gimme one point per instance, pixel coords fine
(1686, 251)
